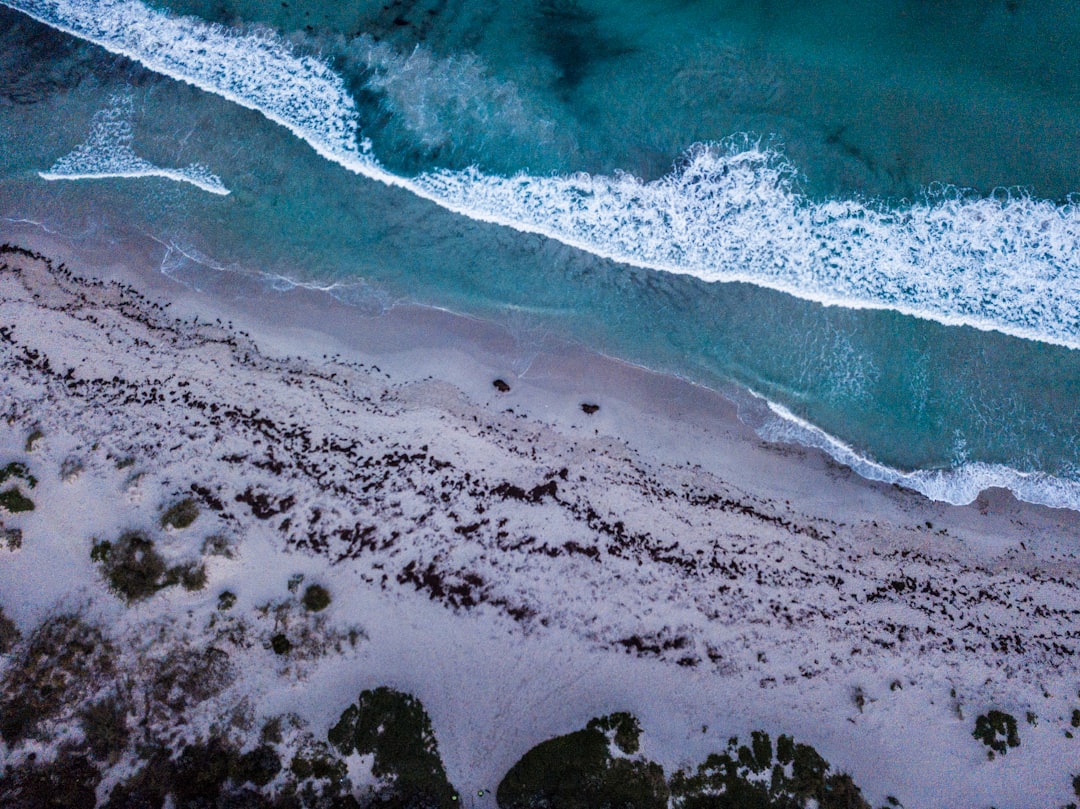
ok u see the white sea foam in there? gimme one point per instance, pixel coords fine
(729, 214)
(107, 152)
(959, 485)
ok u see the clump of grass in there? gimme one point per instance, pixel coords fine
(57, 667)
(180, 514)
(226, 599)
(396, 730)
(316, 598)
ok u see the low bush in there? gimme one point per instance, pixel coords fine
(396, 730)
(997, 730)
(578, 771)
(316, 598)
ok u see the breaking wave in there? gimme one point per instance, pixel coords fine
(959, 485)
(107, 152)
(730, 212)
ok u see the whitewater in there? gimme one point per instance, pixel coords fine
(729, 212)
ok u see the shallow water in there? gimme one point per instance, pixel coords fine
(432, 151)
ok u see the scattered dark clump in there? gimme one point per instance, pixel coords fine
(280, 644)
(33, 439)
(579, 770)
(9, 633)
(395, 728)
(316, 598)
(58, 665)
(997, 730)
(217, 545)
(12, 538)
(501, 386)
(588, 409)
(180, 514)
(226, 599)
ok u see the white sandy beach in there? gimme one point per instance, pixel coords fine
(517, 563)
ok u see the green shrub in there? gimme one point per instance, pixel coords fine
(225, 600)
(395, 728)
(577, 771)
(316, 598)
(181, 514)
(997, 730)
(14, 502)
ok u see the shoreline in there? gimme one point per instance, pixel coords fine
(551, 366)
(738, 578)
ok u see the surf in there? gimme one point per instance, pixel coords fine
(729, 212)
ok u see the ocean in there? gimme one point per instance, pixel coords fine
(855, 219)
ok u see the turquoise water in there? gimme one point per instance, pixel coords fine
(861, 212)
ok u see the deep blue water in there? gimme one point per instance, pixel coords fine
(860, 211)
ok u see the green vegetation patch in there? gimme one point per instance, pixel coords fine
(17, 471)
(578, 771)
(396, 729)
(14, 501)
(751, 777)
(181, 514)
(316, 598)
(997, 730)
(135, 570)
(59, 665)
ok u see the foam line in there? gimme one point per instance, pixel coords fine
(729, 214)
(958, 486)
